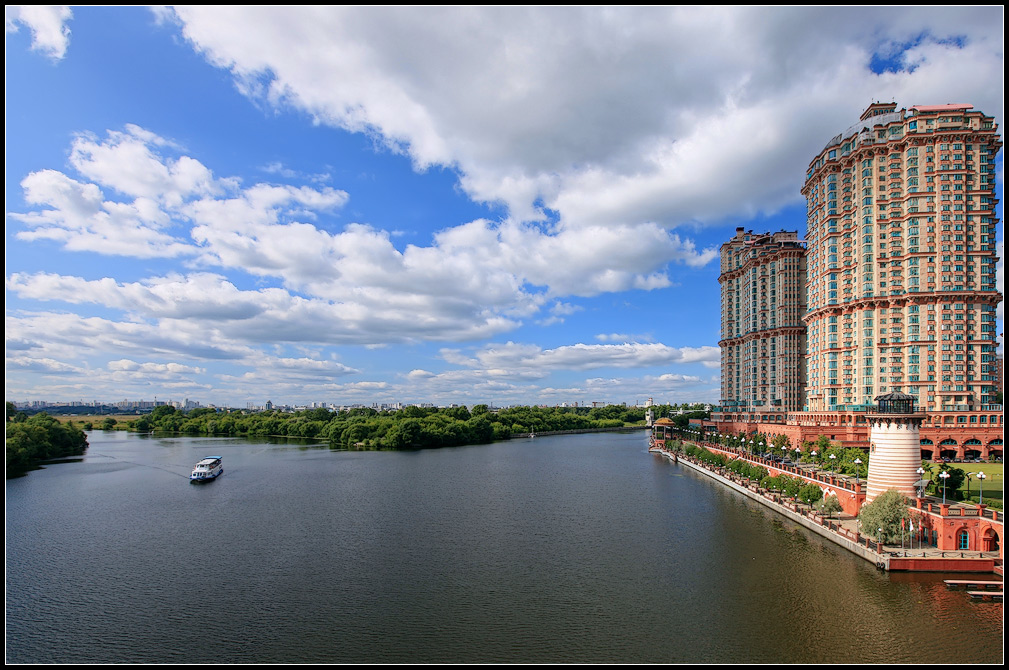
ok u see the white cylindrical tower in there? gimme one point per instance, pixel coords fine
(894, 446)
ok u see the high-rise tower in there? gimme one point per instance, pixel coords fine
(763, 281)
(901, 260)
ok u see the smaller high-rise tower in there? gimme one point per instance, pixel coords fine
(763, 343)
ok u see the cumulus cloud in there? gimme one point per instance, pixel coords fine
(48, 25)
(615, 124)
(137, 194)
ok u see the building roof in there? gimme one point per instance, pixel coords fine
(941, 108)
(894, 395)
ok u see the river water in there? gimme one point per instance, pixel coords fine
(552, 549)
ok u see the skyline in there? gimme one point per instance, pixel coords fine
(481, 205)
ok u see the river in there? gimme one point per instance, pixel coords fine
(575, 548)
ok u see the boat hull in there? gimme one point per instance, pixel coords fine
(210, 476)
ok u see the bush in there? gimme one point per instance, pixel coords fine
(708, 457)
(810, 493)
(830, 506)
(887, 511)
(994, 503)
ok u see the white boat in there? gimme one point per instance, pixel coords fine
(209, 468)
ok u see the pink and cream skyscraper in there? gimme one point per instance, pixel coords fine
(901, 293)
(763, 294)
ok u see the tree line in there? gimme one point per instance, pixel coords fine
(33, 439)
(407, 428)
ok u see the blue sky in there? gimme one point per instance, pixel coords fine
(482, 205)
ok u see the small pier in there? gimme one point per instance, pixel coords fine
(972, 584)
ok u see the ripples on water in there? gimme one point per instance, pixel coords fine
(558, 549)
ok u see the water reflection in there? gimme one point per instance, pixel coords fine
(560, 549)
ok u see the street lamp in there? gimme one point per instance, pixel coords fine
(921, 482)
(832, 457)
(858, 462)
(797, 452)
(945, 476)
(980, 485)
(969, 475)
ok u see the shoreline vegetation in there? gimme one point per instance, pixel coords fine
(32, 440)
(408, 428)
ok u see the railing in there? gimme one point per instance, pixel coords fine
(993, 514)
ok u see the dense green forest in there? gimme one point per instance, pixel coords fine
(41, 437)
(408, 428)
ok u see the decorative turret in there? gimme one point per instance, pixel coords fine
(894, 445)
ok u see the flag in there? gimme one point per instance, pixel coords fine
(910, 526)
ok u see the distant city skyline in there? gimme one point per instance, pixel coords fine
(269, 404)
(424, 204)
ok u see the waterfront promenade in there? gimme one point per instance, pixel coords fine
(844, 530)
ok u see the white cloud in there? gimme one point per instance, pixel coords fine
(287, 370)
(43, 365)
(159, 369)
(354, 286)
(530, 358)
(609, 116)
(48, 24)
(80, 219)
(623, 337)
(72, 336)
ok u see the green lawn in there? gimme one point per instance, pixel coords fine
(993, 483)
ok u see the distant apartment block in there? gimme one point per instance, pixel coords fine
(901, 269)
(763, 338)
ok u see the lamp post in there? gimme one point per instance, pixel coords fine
(797, 452)
(969, 475)
(921, 480)
(832, 457)
(945, 476)
(980, 486)
(858, 462)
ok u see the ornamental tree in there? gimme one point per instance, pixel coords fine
(887, 511)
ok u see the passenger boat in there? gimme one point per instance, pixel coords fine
(209, 468)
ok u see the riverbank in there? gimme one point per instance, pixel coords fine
(579, 431)
(843, 531)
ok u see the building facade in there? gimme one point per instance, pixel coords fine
(763, 301)
(901, 260)
(900, 290)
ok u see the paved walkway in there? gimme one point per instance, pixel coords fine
(851, 524)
